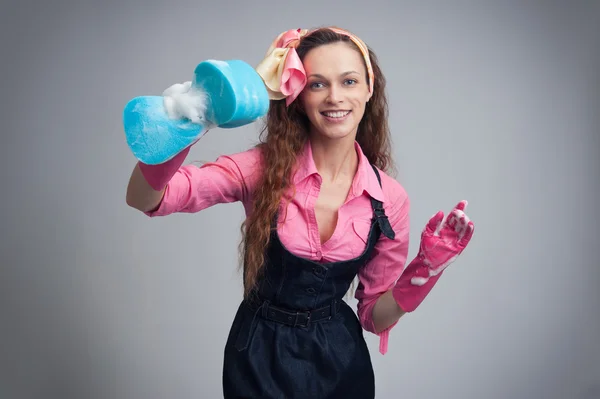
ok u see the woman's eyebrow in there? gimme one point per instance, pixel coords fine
(316, 75)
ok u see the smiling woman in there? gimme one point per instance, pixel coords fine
(321, 209)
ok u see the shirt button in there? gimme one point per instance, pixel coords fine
(310, 290)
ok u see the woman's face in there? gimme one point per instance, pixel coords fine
(336, 91)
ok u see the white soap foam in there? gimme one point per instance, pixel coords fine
(184, 101)
(431, 271)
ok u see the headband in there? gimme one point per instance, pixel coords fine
(283, 72)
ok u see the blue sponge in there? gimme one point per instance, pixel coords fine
(234, 93)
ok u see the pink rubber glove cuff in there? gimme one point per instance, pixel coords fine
(409, 295)
(158, 176)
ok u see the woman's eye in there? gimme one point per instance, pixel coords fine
(350, 81)
(315, 85)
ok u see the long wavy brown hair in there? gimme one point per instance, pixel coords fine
(281, 140)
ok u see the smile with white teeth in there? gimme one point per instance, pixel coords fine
(337, 114)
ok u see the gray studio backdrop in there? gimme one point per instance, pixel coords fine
(493, 102)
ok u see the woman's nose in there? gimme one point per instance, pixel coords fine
(335, 95)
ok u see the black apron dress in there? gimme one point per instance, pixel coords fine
(297, 337)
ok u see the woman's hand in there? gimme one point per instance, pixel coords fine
(442, 240)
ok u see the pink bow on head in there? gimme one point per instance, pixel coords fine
(293, 77)
(289, 38)
(281, 70)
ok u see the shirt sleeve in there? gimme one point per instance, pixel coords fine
(384, 268)
(229, 178)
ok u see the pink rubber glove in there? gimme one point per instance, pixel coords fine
(159, 175)
(441, 243)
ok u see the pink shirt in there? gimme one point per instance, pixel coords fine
(233, 177)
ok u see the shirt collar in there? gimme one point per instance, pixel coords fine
(364, 180)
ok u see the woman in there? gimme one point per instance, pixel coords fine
(321, 210)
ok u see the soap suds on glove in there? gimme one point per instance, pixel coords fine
(184, 101)
(431, 272)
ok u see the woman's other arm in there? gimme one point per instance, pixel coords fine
(191, 188)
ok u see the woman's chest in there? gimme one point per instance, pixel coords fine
(325, 226)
